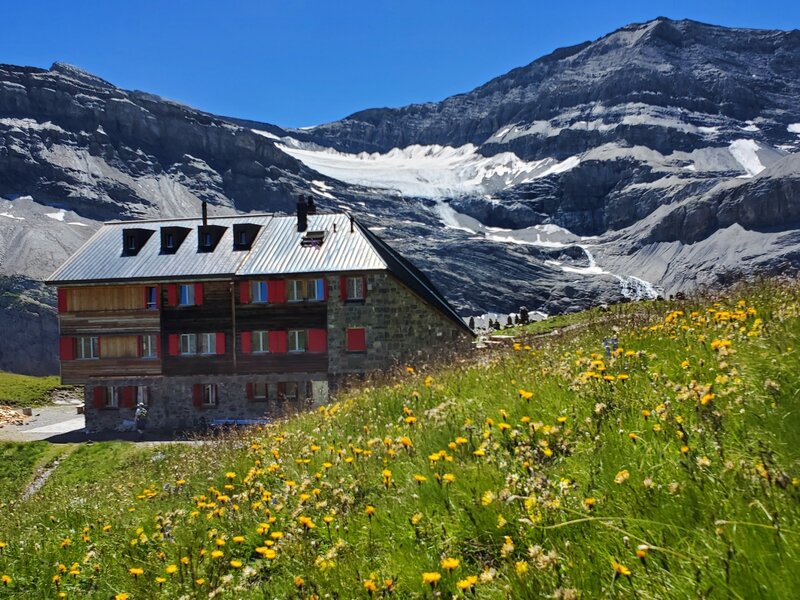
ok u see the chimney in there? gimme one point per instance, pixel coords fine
(302, 214)
(352, 224)
(205, 213)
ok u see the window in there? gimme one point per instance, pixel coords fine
(209, 394)
(149, 346)
(207, 240)
(143, 395)
(113, 397)
(315, 289)
(260, 341)
(296, 290)
(260, 391)
(151, 294)
(356, 339)
(258, 292)
(297, 340)
(188, 343)
(186, 294)
(208, 343)
(242, 238)
(87, 347)
(130, 240)
(356, 287)
(290, 390)
(170, 241)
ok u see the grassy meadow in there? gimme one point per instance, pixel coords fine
(25, 390)
(664, 463)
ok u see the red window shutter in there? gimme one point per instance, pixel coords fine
(172, 294)
(158, 346)
(244, 292)
(343, 288)
(197, 395)
(247, 344)
(278, 341)
(99, 397)
(317, 340)
(198, 294)
(174, 344)
(128, 399)
(364, 288)
(276, 291)
(220, 343)
(356, 339)
(66, 348)
(250, 391)
(62, 300)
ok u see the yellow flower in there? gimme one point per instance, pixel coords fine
(448, 478)
(428, 381)
(161, 580)
(299, 581)
(230, 475)
(589, 502)
(467, 583)
(525, 395)
(621, 569)
(410, 370)
(306, 522)
(236, 564)
(122, 596)
(172, 569)
(562, 419)
(328, 519)
(707, 398)
(621, 477)
(521, 567)
(184, 560)
(370, 586)
(5, 580)
(267, 553)
(431, 578)
(136, 571)
(487, 498)
(450, 564)
(238, 539)
(217, 554)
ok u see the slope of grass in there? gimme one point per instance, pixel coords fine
(666, 467)
(19, 461)
(25, 390)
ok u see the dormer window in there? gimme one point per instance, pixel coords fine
(207, 240)
(134, 239)
(244, 234)
(172, 238)
(208, 236)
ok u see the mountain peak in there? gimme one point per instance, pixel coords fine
(78, 74)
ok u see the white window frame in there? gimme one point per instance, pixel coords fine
(210, 396)
(152, 304)
(317, 286)
(170, 241)
(207, 345)
(297, 340)
(295, 290)
(87, 348)
(259, 292)
(112, 396)
(149, 346)
(143, 395)
(355, 287)
(259, 342)
(188, 344)
(186, 294)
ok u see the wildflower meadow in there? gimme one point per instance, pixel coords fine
(652, 451)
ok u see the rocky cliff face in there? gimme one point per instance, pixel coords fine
(661, 156)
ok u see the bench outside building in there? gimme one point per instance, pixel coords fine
(231, 319)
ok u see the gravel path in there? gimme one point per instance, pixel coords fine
(46, 422)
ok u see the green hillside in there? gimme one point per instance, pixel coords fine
(663, 464)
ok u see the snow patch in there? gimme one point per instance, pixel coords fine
(427, 171)
(746, 154)
(265, 134)
(58, 216)
(78, 224)
(794, 128)
(10, 216)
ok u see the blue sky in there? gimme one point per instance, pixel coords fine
(304, 62)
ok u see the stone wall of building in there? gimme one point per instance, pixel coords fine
(171, 406)
(401, 328)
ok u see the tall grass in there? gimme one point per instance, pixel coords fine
(663, 466)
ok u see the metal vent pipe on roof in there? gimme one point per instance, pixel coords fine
(302, 214)
(205, 213)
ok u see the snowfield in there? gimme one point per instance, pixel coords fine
(426, 171)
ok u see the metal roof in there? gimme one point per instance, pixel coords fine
(276, 251)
